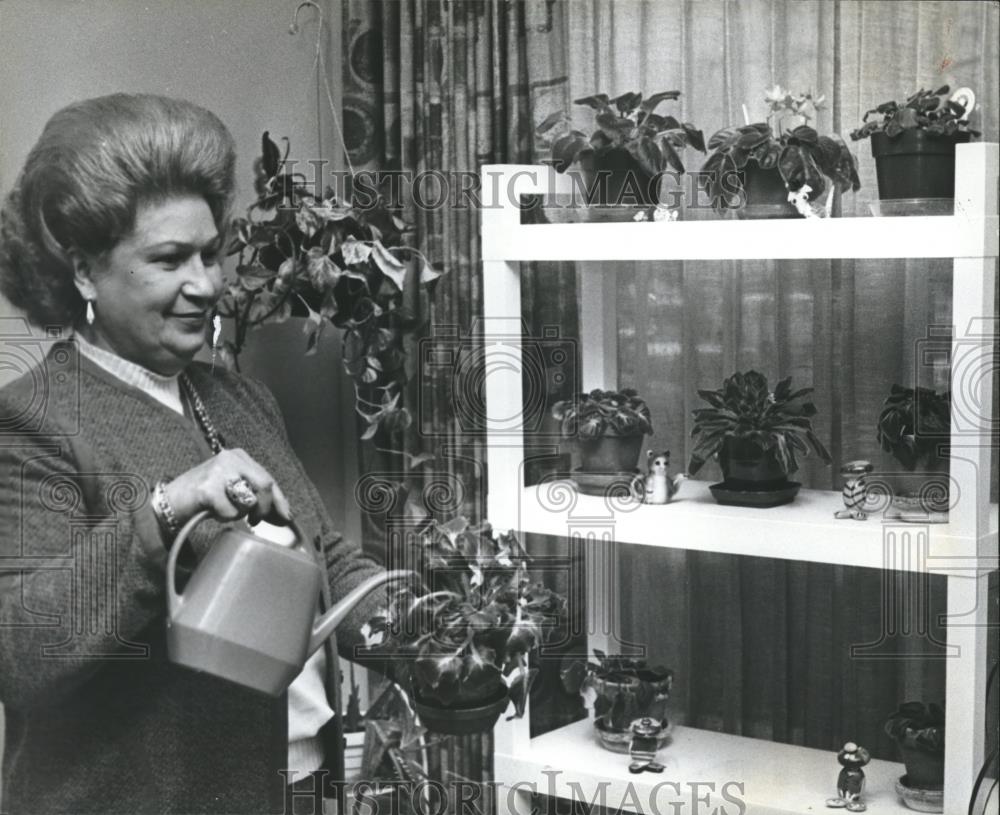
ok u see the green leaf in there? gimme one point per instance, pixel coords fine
(313, 342)
(615, 127)
(671, 156)
(798, 169)
(723, 139)
(307, 221)
(428, 273)
(355, 252)
(694, 136)
(323, 272)
(550, 121)
(804, 134)
(599, 101)
(567, 148)
(391, 267)
(645, 151)
(254, 277)
(627, 102)
(651, 102)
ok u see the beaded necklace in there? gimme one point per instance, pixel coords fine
(201, 415)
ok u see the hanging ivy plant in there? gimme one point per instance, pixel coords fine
(334, 263)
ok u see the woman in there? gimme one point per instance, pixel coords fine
(115, 229)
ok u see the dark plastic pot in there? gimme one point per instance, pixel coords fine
(464, 720)
(929, 481)
(610, 454)
(766, 194)
(915, 164)
(923, 770)
(745, 466)
(617, 167)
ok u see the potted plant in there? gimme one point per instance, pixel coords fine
(608, 427)
(333, 262)
(395, 753)
(912, 426)
(623, 159)
(757, 435)
(622, 689)
(913, 142)
(760, 169)
(354, 729)
(918, 729)
(463, 642)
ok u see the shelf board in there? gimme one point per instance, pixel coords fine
(778, 779)
(913, 237)
(802, 530)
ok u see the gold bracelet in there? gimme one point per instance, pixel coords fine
(163, 511)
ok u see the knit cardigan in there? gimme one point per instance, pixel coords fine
(97, 719)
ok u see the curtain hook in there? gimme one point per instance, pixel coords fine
(293, 28)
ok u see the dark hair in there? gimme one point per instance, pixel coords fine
(83, 181)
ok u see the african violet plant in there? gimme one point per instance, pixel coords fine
(332, 262)
(628, 122)
(599, 413)
(932, 111)
(912, 422)
(784, 142)
(466, 638)
(623, 688)
(744, 409)
(919, 726)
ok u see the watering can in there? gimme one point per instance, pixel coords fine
(248, 612)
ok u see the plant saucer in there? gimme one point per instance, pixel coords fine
(920, 800)
(618, 741)
(901, 207)
(734, 496)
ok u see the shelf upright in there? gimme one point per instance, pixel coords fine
(964, 550)
(973, 365)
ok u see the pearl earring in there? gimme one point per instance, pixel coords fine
(90, 312)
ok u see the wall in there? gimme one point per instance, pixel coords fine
(237, 58)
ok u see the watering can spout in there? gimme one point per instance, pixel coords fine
(327, 624)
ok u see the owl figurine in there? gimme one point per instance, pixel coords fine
(656, 487)
(851, 780)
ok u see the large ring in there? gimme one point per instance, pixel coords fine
(241, 494)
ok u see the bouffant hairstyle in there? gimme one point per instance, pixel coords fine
(95, 163)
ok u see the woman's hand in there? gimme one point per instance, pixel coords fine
(204, 488)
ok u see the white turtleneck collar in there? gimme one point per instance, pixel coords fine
(164, 389)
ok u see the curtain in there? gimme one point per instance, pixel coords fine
(435, 90)
(759, 647)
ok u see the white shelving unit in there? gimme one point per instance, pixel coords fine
(776, 778)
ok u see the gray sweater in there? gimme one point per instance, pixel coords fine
(97, 719)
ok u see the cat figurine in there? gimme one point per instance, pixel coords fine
(656, 487)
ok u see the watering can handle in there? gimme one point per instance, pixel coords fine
(174, 598)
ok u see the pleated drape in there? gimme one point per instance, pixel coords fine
(760, 647)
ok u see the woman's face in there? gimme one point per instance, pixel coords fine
(154, 291)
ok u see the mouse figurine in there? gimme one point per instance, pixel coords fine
(851, 781)
(656, 487)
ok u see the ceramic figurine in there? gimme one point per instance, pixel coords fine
(657, 487)
(855, 490)
(851, 781)
(643, 746)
